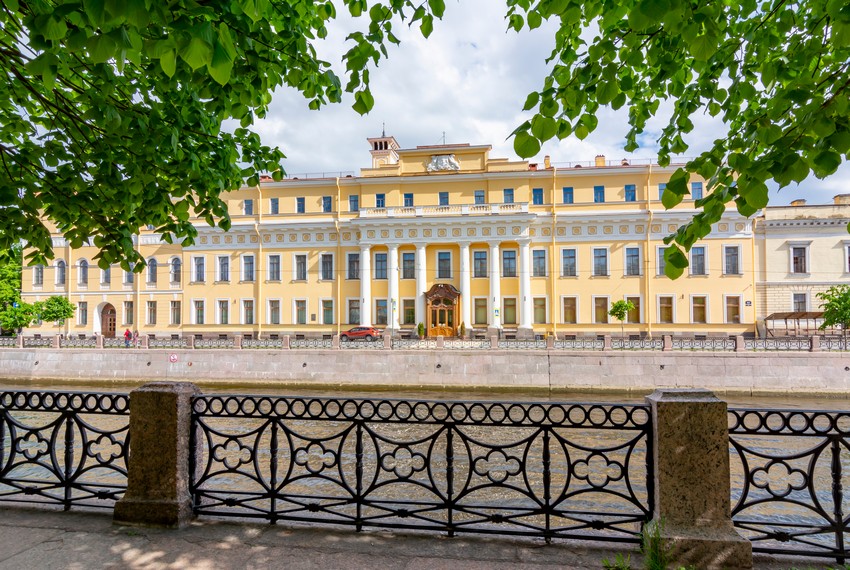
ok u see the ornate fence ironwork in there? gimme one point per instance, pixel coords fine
(313, 343)
(66, 448)
(637, 343)
(582, 343)
(37, 342)
(414, 344)
(214, 343)
(834, 343)
(535, 469)
(710, 343)
(71, 342)
(467, 344)
(779, 343)
(789, 469)
(116, 342)
(8, 342)
(167, 342)
(522, 344)
(362, 345)
(262, 343)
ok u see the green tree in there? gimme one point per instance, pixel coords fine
(54, 309)
(835, 303)
(17, 316)
(10, 276)
(776, 72)
(620, 310)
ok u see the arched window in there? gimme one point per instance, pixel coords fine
(38, 275)
(60, 273)
(176, 267)
(106, 276)
(84, 272)
(152, 271)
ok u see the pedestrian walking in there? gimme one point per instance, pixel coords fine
(127, 337)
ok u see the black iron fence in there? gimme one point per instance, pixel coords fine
(789, 471)
(65, 448)
(547, 470)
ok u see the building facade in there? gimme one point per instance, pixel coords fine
(446, 236)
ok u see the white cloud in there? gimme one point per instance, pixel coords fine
(469, 80)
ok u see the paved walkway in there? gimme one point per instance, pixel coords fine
(41, 539)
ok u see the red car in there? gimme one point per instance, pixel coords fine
(366, 333)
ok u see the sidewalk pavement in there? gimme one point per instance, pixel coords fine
(44, 539)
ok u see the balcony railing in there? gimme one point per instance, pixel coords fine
(452, 210)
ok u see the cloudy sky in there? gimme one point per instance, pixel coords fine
(469, 80)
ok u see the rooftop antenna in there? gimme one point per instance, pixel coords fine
(383, 130)
(444, 137)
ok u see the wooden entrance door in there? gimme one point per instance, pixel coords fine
(107, 321)
(441, 318)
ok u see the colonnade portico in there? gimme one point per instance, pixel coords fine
(494, 319)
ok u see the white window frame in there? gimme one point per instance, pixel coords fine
(348, 309)
(171, 280)
(437, 264)
(626, 260)
(658, 308)
(545, 262)
(375, 311)
(472, 253)
(193, 269)
(242, 269)
(806, 245)
(80, 262)
(546, 314)
(124, 312)
(271, 203)
(148, 311)
(295, 310)
(348, 255)
(245, 207)
(333, 266)
(242, 312)
(593, 309)
(401, 310)
(607, 261)
(847, 256)
(152, 264)
(401, 255)
(659, 260)
(80, 321)
(269, 311)
(487, 310)
(502, 263)
(639, 297)
(805, 294)
(295, 255)
(35, 283)
(705, 261)
(56, 281)
(726, 248)
(269, 266)
(375, 265)
(322, 310)
(578, 304)
(561, 262)
(195, 311)
(218, 312)
(707, 308)
(171, 311)
(218, 278)
(517, 307)
(740, 309)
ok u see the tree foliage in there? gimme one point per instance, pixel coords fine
(16, 317)
(835, 303)
(620, 311)
(776, 72)
(54, 309)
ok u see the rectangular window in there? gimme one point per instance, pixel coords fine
(698, 309)
(444, 198)
(698, 260)
(408, 200)
(568, 263)
(479, 196)
(570, 310)
(408, 265)
(660, 264)
(539, 310)
(299, 206)
(509, 311)
(354, 203)
(106, 276)
(696, 190)
(128, 312)
(568, 194)
(223, 268)
(479, 264)
(633, 316)
(733, 309)
(300, 312)
(731, 264)
(665, 309)
(327, 312)
(199, 273)
(176, 311)
(274, 268)
(274, 205)
(248, 207)
(508, 196)
(199, 312)
(380, 200)
(380, 311)
(600, 262)
(248, 312)
(38, 276)
(354, 267)
(82, 313)
(354, 311)
(301, 267)
(326, 204)
(444, 265)
(537, 196)
(632, 261)
(274, 312)
(223, 311)
(508, 263)
(599, 194)
(630, 193)
(380, 266)
(327, 266)
(538, 263)
(408, 312)
(480, 316)
(798, 260)
(600, 310)
(247, 268)
(129, 276)
(151, 312)
(661, 189)
(799, 302)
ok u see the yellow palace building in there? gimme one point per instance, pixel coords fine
(446, 236)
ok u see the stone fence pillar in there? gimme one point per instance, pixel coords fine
(388, 341)
(335, 341)
(158, 466)
(494, 342)
(667, 342)
(190, 341)
(284, 343)
(606, 342)
(550, 342)
(740, 343)
(237, 341)
(57, 341)
(692, 489)
(20, 341)
(144, 341)
(441, 342)
(814, 343)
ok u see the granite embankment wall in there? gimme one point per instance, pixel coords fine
(631, 371)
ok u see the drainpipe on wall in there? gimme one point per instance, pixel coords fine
(647, 256)
(553, 310)
(338, 260)
(755, 270)
(258, 274)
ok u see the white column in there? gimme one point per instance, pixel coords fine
(394, 305)
(465, 287)
(525, 284)
(495, 286)
(421, 283)
(365, 286)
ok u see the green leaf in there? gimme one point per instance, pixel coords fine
(543, 128)
(168, 62)
(531, 101)
(197, 53)
(526, 145)
(703, 47)
(363, 102)
(675, 261)
(826, 162)
(427, 25)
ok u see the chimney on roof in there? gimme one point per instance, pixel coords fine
(532, 166)
(600, 160)
(798, 202)
(547, 162)
(841, 199)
